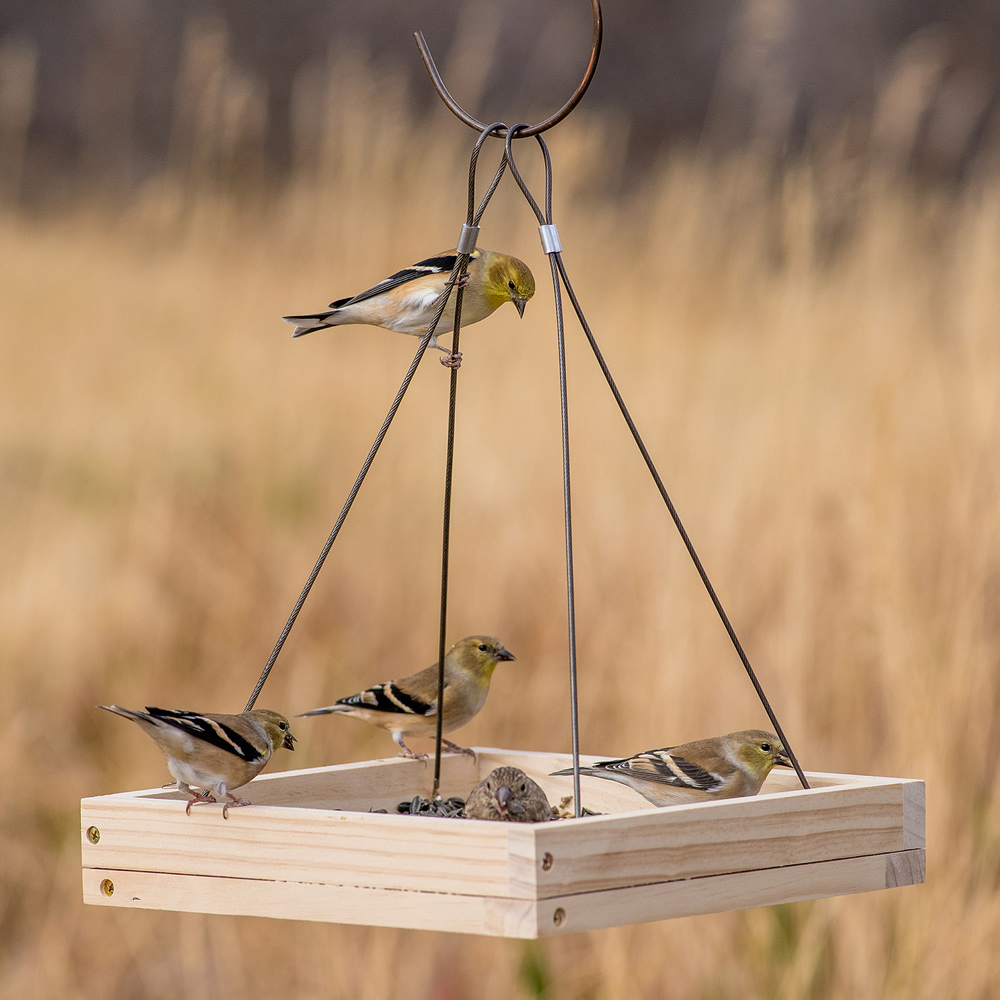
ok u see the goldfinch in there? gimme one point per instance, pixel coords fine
(215, 753)
(722, 767)
(407, 300)
(508, 795)
(408, 707)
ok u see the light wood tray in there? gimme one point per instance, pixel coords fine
(308, 849)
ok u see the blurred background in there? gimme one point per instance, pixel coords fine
(783, 221)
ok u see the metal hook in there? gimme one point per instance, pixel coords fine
(460, 112)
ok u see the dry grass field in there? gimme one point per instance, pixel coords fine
(814, 361)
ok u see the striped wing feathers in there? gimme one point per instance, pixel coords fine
(214, 730)
(391, 698)
(667, 768)
(432, 265)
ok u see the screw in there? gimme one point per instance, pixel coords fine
(108, 887)
(559, 917)
(546, 861)
(93, 834)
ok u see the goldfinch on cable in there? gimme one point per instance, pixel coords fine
(407, 300)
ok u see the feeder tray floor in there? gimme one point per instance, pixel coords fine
(309, 849)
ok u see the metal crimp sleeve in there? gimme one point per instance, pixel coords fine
(467, 240)
(550, 238)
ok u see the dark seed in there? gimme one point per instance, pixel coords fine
(449, 808)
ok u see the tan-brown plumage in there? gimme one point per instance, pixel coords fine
(722, 767)
(508, 795)
(408, 707)
(213, 752)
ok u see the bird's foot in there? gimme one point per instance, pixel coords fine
(463, 280)
(234, 800)
(204, 797)
(455, 748)
(405, 751)
(452, 359)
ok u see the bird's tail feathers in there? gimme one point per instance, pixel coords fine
(569, 770)
(125, 713)
(312, 321)
(329, 710)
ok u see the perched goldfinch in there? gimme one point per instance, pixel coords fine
(407, 300)
(722, 767)
(408, 707)
(215, 753)
(508, 795)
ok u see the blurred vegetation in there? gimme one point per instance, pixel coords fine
(107, 93)
(811, 354)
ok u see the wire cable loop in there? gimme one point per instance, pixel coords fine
(546, 220)
(557, 264)
(461, 262)
(474, 123)
(470, 227)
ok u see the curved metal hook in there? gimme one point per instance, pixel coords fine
(459, 112)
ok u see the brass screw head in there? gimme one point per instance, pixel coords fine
(547, 860)
(559, 917)
(108, 887)
(93, 834)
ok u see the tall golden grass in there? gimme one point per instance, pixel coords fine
(814, 363)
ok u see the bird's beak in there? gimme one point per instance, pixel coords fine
(782, 758)
(519, 305)
(505, 654)
(502, 794)
(289, 741)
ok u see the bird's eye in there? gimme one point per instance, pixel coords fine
(510, 285)
(483, 647)
(282, 725)
(524, 788)
(766, 747)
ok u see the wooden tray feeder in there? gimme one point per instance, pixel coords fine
(311, 849)
(308, 849)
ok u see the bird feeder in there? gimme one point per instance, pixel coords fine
(309, 849)
(312, 848)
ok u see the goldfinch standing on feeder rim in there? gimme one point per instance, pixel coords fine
(722, 767)
(508, 795)
(215, 753)
(407, 300)
(408, 707)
